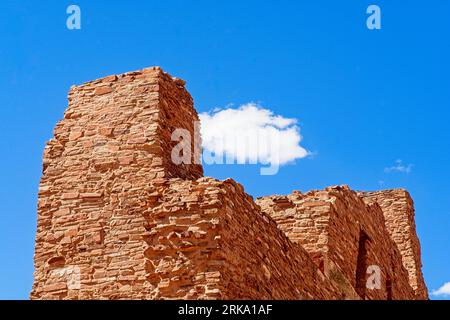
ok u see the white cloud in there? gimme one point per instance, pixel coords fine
(252, 134)
(443, 291)
(399, 167)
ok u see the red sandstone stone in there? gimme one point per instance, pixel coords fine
(103, 90)
(75, 135)
(105, 131)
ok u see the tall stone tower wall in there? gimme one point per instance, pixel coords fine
(114, 140)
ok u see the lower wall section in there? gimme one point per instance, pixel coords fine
(181, 239)
(260, 261)
(207, 239)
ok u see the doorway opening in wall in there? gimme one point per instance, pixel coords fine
(361, 265)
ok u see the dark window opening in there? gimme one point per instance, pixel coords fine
(389, 288)
(361, 266)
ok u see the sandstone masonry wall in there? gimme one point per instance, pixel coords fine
(329, 225)
(120, 220)
(260, 261)
(113, 206)
(207, 239)
(398, 209)
(111, 144)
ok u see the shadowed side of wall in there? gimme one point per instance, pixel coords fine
(261, 262)
(398, 209)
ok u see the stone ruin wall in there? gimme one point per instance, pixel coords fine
(110, 145)
(329, 224)
(398, 209)
(261, 262)
(114, 209)
(207, 240)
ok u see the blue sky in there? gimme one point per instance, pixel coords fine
(363, 99)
